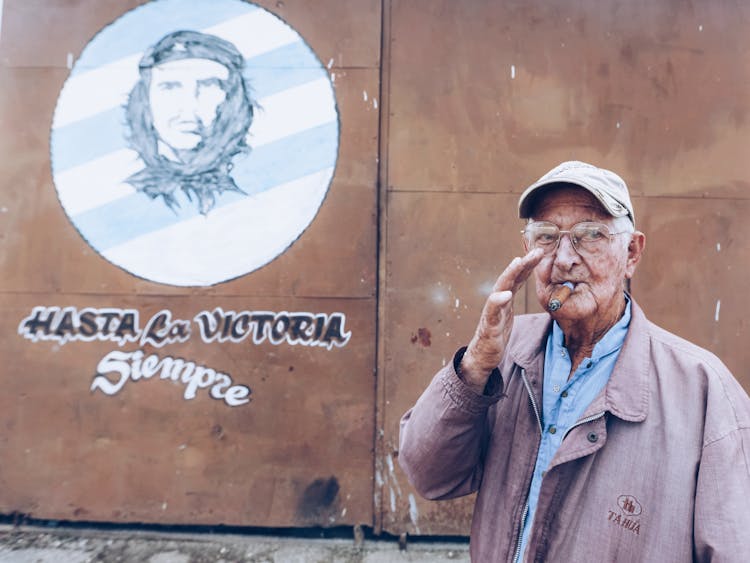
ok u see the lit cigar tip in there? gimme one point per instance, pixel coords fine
(559, 297)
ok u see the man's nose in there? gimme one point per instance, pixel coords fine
(566, 254)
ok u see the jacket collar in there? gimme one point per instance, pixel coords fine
(626, 394)
(627, 391)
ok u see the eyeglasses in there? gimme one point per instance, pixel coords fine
(587, 238)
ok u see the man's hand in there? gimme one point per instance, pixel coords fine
(491, 337)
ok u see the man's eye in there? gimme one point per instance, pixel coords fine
(545, 238)
(591, 234)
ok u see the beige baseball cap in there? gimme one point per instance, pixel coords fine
(604, 185)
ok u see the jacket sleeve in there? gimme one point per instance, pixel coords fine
(722, 514)
(444, 435)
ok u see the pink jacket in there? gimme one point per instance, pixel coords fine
(657, 469)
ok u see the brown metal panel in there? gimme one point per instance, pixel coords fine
(346, 34)
(299, 453)
(487, 95)
(692, 279)
(445, 251)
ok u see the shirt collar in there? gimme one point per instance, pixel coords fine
(611, 341)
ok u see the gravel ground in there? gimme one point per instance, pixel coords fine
(28, 544)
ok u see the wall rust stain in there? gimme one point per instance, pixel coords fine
(318, 500)
(423, 336)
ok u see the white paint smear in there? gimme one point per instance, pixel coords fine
(413, 512)
(1, 17)
(718, 308)
(389, 460)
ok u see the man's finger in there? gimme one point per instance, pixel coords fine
(495, 304)
(518, 271)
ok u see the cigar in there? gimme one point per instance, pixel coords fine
(560, 296)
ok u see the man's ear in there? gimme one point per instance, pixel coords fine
(635, 251)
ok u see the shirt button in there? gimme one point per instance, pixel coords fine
(552, 429)
(555, 388)
(588, 365)
(562, 353)
(564, 394)
(592, 437)
(544, 474)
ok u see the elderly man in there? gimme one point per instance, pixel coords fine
(589, 433)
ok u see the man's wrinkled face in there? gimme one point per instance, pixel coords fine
(184, 97)
(599, 279)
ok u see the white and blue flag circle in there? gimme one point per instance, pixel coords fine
(282, 180)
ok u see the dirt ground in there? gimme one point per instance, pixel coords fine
(28, 544)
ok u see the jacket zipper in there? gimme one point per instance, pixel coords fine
(525, 513)
(584, 421)
(520, 531)
(533, 401)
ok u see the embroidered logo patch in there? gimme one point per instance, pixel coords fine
(627, 514)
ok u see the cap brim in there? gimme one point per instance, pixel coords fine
(610, 204)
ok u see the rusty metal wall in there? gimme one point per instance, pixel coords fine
(484, 97)
(299, 453)
(450, 108)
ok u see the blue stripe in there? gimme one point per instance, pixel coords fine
(288, 159)
(85, 140)
(135, 31)
(276, 163)
(100, 134)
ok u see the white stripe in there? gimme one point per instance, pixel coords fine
(291, 111)
(85, 94)
(230, 241)
(255, 33)
(97, 182)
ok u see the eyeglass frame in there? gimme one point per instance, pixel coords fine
(561, 232)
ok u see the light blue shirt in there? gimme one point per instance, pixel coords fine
(564, 401)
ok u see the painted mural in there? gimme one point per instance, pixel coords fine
(194, 141)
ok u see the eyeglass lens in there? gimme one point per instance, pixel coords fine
(587, 238)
